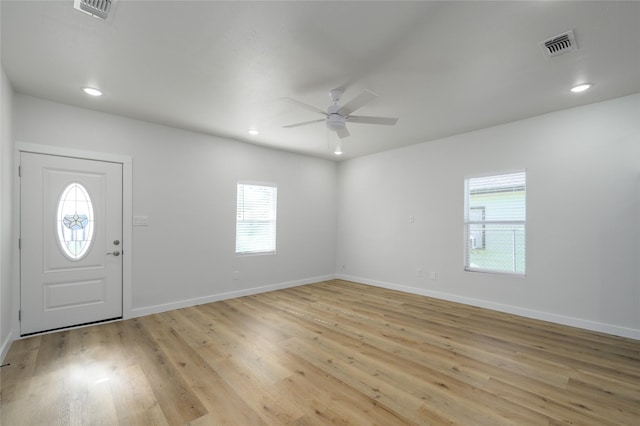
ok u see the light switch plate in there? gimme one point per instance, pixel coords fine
(141, 221)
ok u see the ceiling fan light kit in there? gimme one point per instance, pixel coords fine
(338, 150)
(337, 116)
(335, 121)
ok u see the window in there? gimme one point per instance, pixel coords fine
(75, 221)
(495, 219)
(256, 219)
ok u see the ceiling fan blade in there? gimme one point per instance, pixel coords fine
(343, 133)
(388, 121)
(305, 106)
(359, 101)
(304, 123)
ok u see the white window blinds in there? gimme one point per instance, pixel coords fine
(495, 219)
(256, 218)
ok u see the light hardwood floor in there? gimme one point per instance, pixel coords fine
(334, 352)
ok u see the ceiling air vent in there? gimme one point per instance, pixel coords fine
(98, 8)
(560, 44)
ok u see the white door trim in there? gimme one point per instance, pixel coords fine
(127, 214)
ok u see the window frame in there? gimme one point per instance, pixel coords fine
(486, 225)
(274, 221)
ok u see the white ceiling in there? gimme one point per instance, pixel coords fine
(221, 68)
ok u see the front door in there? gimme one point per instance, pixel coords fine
(70, 242)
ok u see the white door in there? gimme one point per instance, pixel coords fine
(70, 242)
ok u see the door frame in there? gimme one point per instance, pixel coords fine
(127, 214)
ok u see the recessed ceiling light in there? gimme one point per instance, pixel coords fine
(253, 132)
(581, 87)
(91, 91)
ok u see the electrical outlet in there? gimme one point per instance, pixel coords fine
(236, 275)
(432, 275)
(418, 272)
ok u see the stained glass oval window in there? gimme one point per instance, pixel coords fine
(75, 221)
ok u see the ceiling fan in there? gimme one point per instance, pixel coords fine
(337, 116)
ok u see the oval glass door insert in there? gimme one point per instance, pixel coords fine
(75, 221)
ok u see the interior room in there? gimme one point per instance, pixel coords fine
(319, 212)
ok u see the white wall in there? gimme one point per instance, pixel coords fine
(6, 213)
(186, 183)
(583, 194)
(583, 212)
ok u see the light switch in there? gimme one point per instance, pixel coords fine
(141, 221)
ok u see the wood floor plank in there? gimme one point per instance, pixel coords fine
(422, 379)
(19, 369)
(414, 339)
(323, 399)
(216, 394)
(134, 399)
(333, 352)
(402, 404)
(313, 390)
(177, 401)
(608, 388)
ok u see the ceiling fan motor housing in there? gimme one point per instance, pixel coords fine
(335, 121)
(338, 115)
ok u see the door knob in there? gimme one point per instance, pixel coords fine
(115, 253)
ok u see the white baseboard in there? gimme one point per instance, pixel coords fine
(6, 345)
(524, 312)
(139, 312)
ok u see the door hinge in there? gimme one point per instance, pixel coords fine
(19, 243)
(19, 315)
(19, 171)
